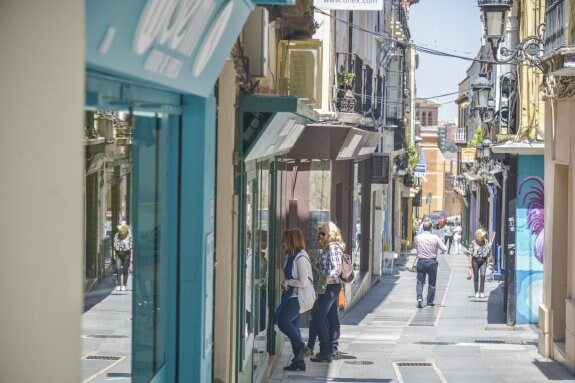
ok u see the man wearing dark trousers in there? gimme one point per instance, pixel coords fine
(427, 245)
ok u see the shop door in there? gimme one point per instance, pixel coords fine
(144, 315)
(256, 314)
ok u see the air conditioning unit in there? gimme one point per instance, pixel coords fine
(299, 68)
(256, 42)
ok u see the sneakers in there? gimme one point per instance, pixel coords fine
(420, 303)
(118, 288)
(481, 295)
(476, 295)
(123, 288)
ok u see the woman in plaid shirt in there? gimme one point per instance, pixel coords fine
(325, 315)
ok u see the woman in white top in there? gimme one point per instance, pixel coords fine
(457, 230)
(298, 295)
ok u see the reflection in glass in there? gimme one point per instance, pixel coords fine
(260, 275)
(249, 262)
(151, 191)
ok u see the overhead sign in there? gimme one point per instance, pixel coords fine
(467, 155)
(181, 45)
(421, 166)
(354, 5)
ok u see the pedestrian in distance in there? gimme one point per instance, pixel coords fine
(427, 245)
(326, 313)
(420, 229)
(122, 255)
(479, 251)
(298, 295)
(457, 230)
(448, 236)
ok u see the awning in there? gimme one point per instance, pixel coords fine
(294, 137)
(471, 176)
(525, 148)
(278, 138)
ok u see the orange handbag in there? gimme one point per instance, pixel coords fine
(341, 299)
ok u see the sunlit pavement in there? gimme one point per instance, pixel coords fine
(107, 334)
(385, 338)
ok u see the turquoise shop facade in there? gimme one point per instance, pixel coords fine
(158, 62)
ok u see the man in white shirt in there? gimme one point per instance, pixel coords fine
(427, 245)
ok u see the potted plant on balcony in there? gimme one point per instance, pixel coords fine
(345, 98)
(412, 158)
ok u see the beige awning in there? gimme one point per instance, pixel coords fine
(291, 136)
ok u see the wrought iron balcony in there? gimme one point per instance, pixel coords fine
(559, 51)
(461, 136)
(555, 13)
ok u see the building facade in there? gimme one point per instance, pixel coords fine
(557, 309)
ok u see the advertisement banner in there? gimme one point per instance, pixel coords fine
(467, 155)
(355, 5)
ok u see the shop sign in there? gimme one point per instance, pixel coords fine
(468, 155)
(356, 5)
(181, 45)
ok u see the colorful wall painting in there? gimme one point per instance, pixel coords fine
(529, 238)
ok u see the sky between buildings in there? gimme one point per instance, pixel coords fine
(450, 26)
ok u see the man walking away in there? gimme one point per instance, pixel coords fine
(427, 245)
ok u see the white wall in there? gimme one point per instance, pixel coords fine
(41, 220)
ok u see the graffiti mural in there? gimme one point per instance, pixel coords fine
(530, 245)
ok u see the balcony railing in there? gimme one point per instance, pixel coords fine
(461, 136)
(350, 86)
(555, 13)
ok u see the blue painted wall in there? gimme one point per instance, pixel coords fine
(529, 238)
(197, 248)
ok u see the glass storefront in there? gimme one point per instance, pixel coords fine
(132, 170)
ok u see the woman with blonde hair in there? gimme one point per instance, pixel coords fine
(298, 295)
(122, 254)
(479, 251)
(326, 316)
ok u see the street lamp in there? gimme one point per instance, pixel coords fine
(486, 148)
(481, 89)
(495, 13)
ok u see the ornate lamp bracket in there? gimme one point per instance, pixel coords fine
(529, 49)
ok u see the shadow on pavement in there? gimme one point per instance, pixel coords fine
(549, 369)
(100, 292)
(495, 312)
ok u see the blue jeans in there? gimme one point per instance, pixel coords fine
(288, 323)
(122, 267)
(326, 319)
(426, 267)
(312, 337)
(479, 267)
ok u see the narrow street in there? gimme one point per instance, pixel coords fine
(385, 338)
